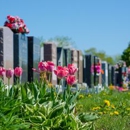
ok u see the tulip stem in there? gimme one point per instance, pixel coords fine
(8, 88)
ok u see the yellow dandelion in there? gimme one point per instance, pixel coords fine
(107, 102)
(100, 113)
(81, 96)
(111, 113)
(112, 106)
(116, 112)
(128, 109)
(89, 95)
(111, 87)
(96, 108)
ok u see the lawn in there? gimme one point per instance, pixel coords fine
(112, 107)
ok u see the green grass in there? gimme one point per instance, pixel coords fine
(119, 102)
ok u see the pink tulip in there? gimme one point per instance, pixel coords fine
(71, 79)
(18, 71)
(61, 72)
(120, 89)
(50, 66)
(42, 66)
(72, 69)
(35, 70)
(9, 73)
(2, 71)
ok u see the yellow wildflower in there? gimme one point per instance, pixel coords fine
(112, 106)
(107, 102)
(111, 113)
(81, 96)
(111, 87)
(100, 113)
(89, 95)
(116, 112)
(96, 108)
(128, 109)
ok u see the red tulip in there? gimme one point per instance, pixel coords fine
(2, 71)
(72, 69)
(9, 73)
(42, 66)
(18, 71)
(71, 79)
(61, 72)
(50, 66)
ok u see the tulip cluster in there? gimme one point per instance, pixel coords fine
(67, 73)
(45, 70)
(98, 68)
(10, 72)
(16, 24)
(61, 72)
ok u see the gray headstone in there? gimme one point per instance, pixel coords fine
(6, 50)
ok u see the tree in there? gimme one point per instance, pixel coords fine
(101, 54)
(126, 55)
(41, 40)
(63, 41)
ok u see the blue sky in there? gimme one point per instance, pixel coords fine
(103, 24)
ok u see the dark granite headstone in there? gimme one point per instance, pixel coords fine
(88, 77)
(60, 56)
(109, 74)
(6, 50)
(96, 77)
(33, 57)
(113, 75)
(50, 54)
(66, 56)
(21, 55)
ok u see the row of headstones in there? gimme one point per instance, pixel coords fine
(112, 76)
(62, 57)
(20, 50)
(109, 76)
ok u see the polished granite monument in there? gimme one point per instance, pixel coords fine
(21, 55)
(6, 50)
(33, 57)
(60, 56)
(105, 74)
(88, 75)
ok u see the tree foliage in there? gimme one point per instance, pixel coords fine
(103, 55)
(126, 55)
(63, 41)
